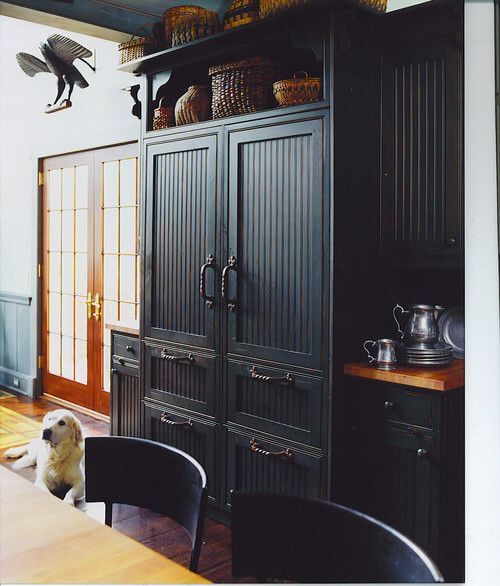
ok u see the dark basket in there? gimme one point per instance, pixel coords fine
(243, 86)
(241, 12)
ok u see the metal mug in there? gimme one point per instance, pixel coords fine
(386, 353)
(421, 328)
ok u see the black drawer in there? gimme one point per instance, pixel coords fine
(275, 401)
(255, 464)
(182, 431)
(126, 346)
(181, 378)
(384, 402)
(124, 366)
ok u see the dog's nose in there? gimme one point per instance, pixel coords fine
(46, 434)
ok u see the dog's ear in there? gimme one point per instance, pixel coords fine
(77, 428)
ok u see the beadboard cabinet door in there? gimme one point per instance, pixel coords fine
(273, 280)
(421, 182)
(180, 241)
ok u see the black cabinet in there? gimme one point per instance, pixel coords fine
(421, 195)
(405, 465)
(235, 295)
(125, 390)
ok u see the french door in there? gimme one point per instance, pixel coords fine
(90, 268)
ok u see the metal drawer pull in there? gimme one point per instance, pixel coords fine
(210, 264)
(388, 405)
(130, 349)
(421, 453)
(256, 449)
(271, 379)
(115, 371)
(165, 418)
(231, 266)
(121, 361)
(166, 356)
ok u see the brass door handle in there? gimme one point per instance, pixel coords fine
(97, 307)
(88, 301)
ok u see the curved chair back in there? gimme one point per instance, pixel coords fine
(148, 474)
(311, 541)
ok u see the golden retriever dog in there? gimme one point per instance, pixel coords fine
(57, 454)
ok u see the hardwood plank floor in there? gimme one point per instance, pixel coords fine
(153, 530)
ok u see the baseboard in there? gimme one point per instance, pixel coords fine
(25, 383)
(78, 408)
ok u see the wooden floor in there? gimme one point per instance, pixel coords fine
(151, 529)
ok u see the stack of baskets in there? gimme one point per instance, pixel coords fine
(241, 12)
(242, 86)
(188, 23)
(299, 90)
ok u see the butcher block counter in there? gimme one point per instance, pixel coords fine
(123, 327)
(436, 379)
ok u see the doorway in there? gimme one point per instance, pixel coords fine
(90, 268)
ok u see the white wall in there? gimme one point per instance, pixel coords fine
(100, 115)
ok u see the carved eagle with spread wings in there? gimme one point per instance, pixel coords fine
(59, 53)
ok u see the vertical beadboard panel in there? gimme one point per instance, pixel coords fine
(183, 380)
(180, 240)
(419, 155)
(15, 333)
(275, 243)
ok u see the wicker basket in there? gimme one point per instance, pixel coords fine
(272, 7)
(193, 106)
(163, 116)
(299, 90)
(138, 46)
(241, 87)
(179, 15)
(195, 28)
(241, 12)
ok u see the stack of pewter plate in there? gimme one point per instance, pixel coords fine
(436, 354)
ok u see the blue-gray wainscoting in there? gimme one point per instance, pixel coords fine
(15, 343)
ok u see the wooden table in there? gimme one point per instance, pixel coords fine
(43, 540)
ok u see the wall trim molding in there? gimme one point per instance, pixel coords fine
(26, 381)
(15, 298)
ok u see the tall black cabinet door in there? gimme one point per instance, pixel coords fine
(273, 277)
(421, 197)
(180, 240)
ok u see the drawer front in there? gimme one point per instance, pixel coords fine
(126, 346)
(383, 402)
(124, 366)
(275, 401)
(180, 378)
(195, 437)
(125, 403)
(260, 465)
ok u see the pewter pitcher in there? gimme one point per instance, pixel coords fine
(421, 327)
(386, 353)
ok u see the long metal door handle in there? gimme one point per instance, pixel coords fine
(271, 379)
(166, 356)
(231, 266)
(210, 264)
(256, 449)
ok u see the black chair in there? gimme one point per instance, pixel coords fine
(151, 475)
(310, 541)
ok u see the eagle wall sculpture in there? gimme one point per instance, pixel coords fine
(59, 53)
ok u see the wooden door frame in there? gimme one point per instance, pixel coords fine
(40, 267)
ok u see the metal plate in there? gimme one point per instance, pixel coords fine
(452, 330)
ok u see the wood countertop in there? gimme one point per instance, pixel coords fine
(436, 379)
(46, 541)
(131, 328)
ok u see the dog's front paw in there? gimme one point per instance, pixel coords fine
(17, 465)
(69, 500)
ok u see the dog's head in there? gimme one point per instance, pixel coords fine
(61, 426)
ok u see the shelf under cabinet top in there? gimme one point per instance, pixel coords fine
(436, 379)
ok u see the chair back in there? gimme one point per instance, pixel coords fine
(312, 541)
(151, 475)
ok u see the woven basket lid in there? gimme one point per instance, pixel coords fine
(242, 64)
